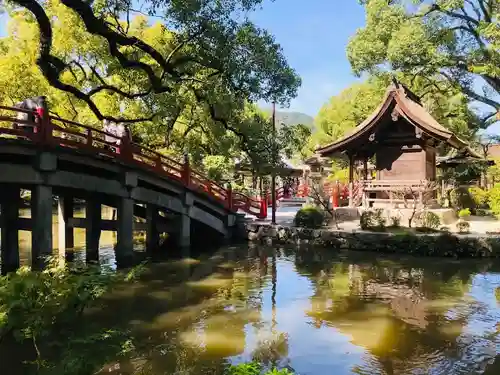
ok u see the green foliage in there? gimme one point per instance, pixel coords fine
(479, 196)
(482, 212)
(463, 226)
(255, 368)
(494, 199)
(373, 220)
(309, 217)
(461, 198)
(426, 40)
(493, 171)
(429, 219)
(44, 309)
(464, 173)
(218, 167)
(251, 368)
(464, 213)
(395, 221)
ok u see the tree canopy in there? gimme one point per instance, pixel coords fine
(453, 41)
(199, 56)
(183, 72)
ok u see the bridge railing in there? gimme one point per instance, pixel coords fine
(54, 131)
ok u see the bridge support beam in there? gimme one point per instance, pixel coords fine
(125, 231)
(152, 233)
(93, 218)
(10, 234)
(65, 232)
(41, 235)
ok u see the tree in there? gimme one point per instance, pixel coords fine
(199, 61)
(452, 40)
(415, 197)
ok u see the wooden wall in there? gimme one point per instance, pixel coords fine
(394, 163)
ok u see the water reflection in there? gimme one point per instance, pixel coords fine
(312, 311)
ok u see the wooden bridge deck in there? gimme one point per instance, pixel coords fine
(71, 160)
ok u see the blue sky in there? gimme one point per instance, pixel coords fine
(314, 36)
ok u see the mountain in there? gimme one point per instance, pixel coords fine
(292, 118)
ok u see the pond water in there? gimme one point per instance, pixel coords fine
(314, 311)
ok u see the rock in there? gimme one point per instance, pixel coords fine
(444, 244)
(252, 236)
(252, 227)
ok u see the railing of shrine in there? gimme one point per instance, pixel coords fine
(52, 131)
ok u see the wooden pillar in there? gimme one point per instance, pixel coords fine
(41, 234)
(93, 217)
(351, 178)
(152, 233)
(10, 201)
(125, 231)
(65, 232)
(365, 179)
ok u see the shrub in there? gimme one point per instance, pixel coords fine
(373, 220)
(395, 221)
(479, 196)
(44, 309)
(461, 198)
(309, 217)
(463, 226)
(430, 220)
(464, 213)
(481, 212)
(494, 199)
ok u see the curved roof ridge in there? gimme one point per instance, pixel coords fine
(409, 106)
(366, 122)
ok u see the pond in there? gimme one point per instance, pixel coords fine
(314, 311)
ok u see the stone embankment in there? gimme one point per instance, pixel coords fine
(437, 244)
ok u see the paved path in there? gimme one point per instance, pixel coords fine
(284, 216)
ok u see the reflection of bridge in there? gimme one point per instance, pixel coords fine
(70, 160)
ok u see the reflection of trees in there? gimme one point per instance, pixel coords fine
(400, 311)
(204, 309)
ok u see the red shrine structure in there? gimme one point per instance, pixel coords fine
(401, 139)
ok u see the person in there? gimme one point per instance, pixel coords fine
(37, 106)
(127, 132)
(114, 133)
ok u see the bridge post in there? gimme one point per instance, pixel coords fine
(185, 231)
(65, 232)
(184, 239)
(93, 218)
(41, 217)
(125, 230)
(10, 234)
(152, 233)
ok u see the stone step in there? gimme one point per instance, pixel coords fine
(292, 202)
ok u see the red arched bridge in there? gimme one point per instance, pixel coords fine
(57, 158)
